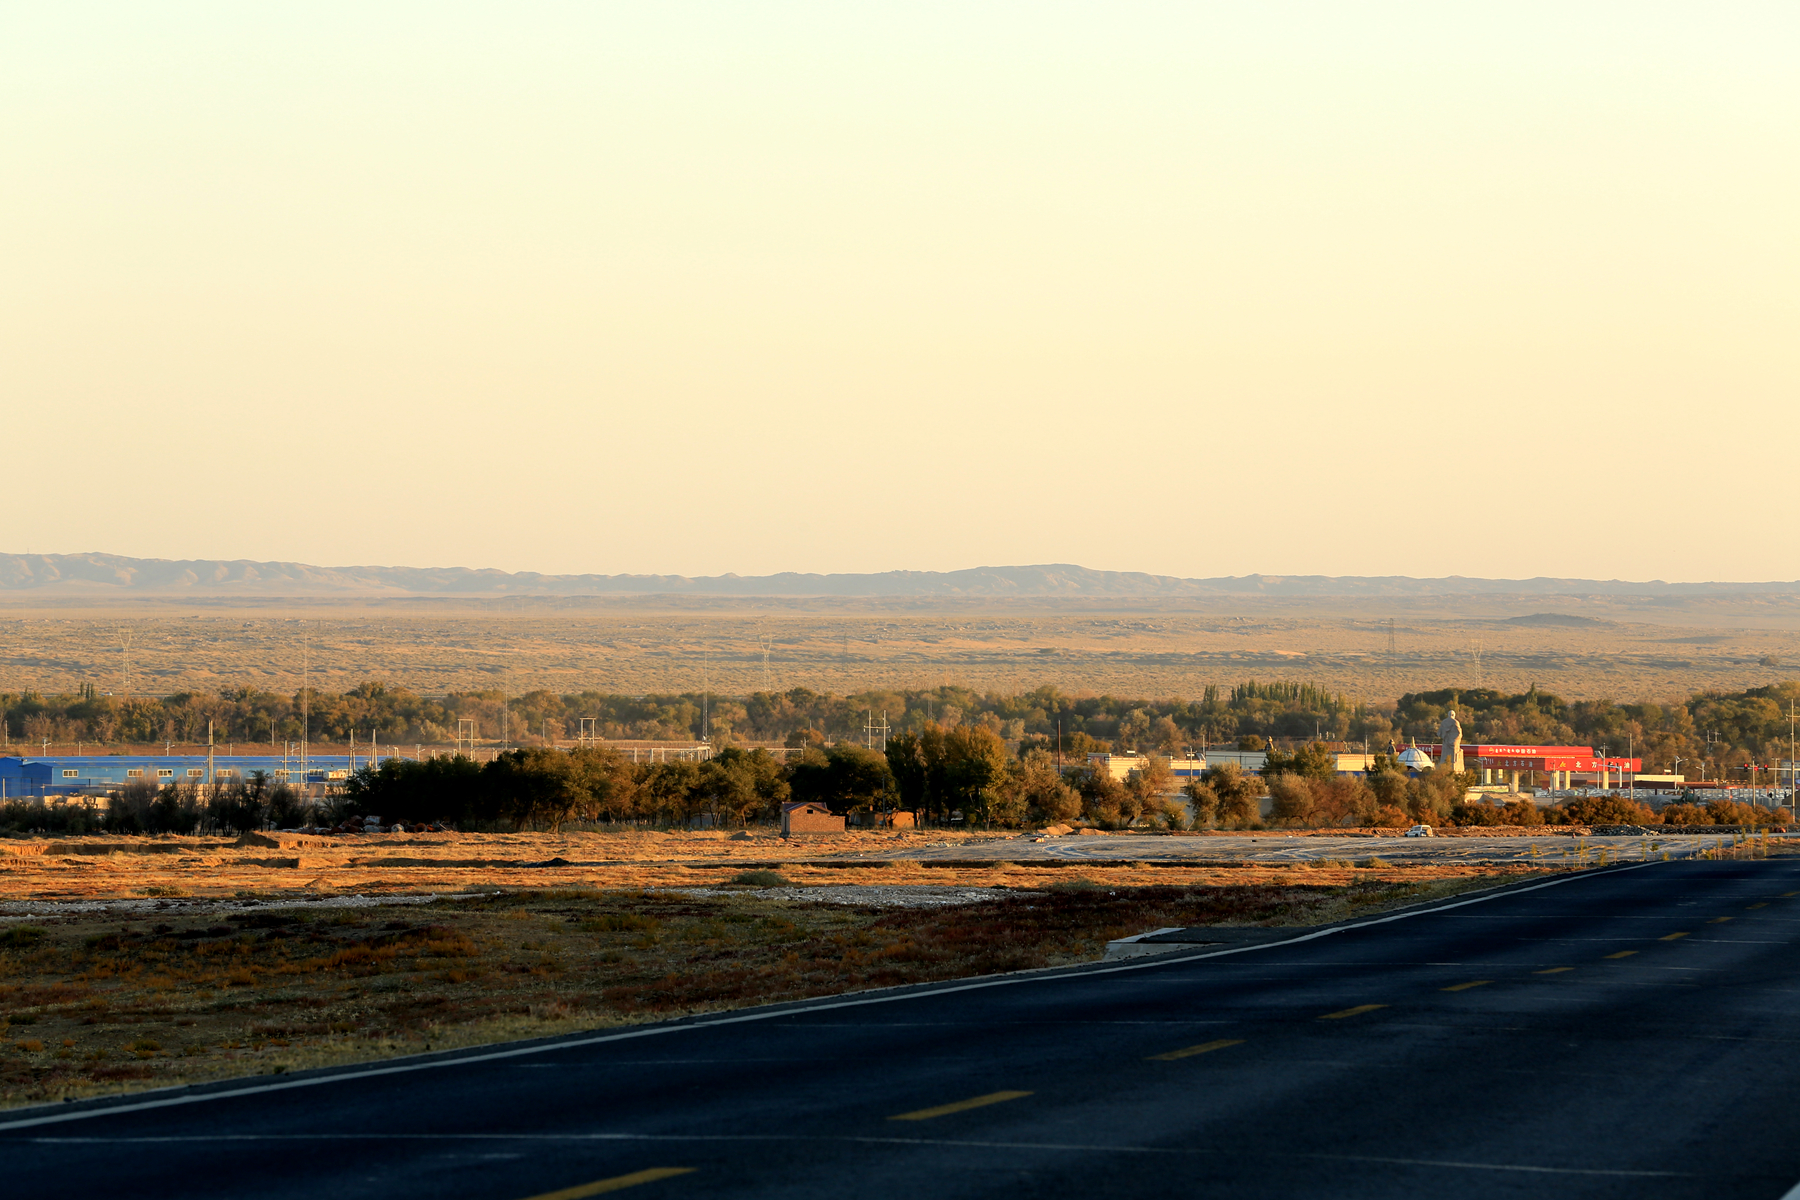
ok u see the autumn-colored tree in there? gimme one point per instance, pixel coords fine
(1036, 791)
(1237, 795)
(1103, 798)
(1203, 802)
(1291, 800)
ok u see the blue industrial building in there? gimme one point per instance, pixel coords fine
(102, 774)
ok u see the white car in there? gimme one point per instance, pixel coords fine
(1419, 831)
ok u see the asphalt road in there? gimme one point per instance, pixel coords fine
(1296, 848)
(1628, 1032)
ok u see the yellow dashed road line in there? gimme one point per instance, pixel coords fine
(1671, 937)
(944, 1110)
(616, 1183)
(1463, 987)
(1718, 920)
(1553, 970)
(1190, 1051)
(1622, 954)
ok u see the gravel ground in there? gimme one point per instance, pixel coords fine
(861, 896)
(65, 908)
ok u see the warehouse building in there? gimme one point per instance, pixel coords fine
(104, 774)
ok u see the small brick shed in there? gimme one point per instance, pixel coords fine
(808, 818)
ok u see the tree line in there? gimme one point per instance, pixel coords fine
(1721, 732)
(963, 774)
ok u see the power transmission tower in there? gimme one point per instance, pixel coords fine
(874, 731)
(1392, 653)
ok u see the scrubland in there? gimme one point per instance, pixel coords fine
(1625, 648)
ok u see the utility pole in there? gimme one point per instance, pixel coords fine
(1793, 796)
(305, 706)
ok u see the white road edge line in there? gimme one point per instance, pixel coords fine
(404, 1067)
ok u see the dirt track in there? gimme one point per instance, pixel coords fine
(280, 865)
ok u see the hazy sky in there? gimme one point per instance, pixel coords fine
(1194, 288)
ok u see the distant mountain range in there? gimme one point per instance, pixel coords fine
(112, 574)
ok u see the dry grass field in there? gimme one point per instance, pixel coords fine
(1623, 647)
(141, 962)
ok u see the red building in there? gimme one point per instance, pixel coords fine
(1559, 762)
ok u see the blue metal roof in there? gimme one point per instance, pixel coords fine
(36, 775)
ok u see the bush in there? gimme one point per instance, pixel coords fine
(1730, 812)
(1513, 812)
(1523, 812)
(762, 879)
(1684, 814)
(1605, 810)
(1477, 813)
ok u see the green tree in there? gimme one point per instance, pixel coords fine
(737, 784)
(974, 768)
(606, 781)
(843, 778)
(910, 759)
(435, 789)
(536, 785)
(666, 790)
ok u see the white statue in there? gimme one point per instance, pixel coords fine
(1450, 741)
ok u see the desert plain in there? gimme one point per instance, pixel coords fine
(1581, 647)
